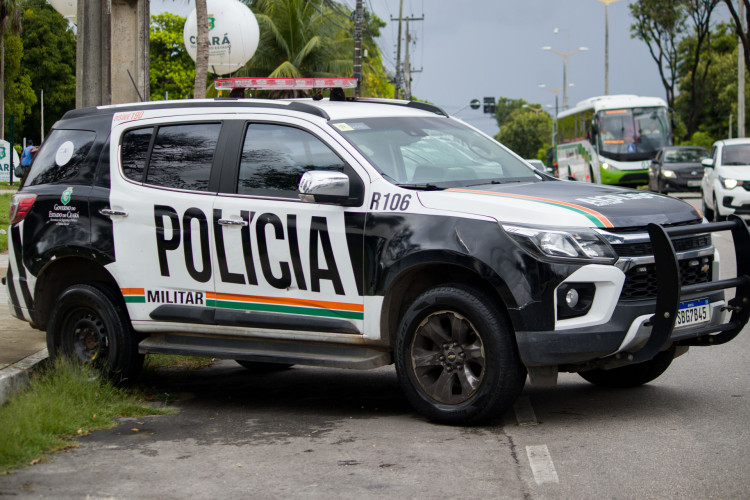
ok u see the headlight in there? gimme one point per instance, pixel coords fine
(668, 174)
(562, 244)
(730, 183)
(608, 167)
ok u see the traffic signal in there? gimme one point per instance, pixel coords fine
(489, 105)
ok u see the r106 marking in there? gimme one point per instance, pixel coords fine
(391, 201)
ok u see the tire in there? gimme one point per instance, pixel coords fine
(456, 357)
(91, 325)
(631, 375)
(707, 212)
(717, 217)
(261, 367)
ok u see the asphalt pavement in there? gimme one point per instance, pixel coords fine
(21, 346)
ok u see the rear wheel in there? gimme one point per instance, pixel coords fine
(456, 357)
(90, 325)
(631, 375)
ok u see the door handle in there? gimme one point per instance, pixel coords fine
(109, 212)
(232, 222)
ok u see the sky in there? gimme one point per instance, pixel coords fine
(491, 48)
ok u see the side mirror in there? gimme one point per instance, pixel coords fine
(707, 162)
(324, 186)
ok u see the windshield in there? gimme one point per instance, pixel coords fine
(738, 154)
(632, 134)
(432, 152)
(685, 155)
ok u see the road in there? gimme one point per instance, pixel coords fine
(322, 433)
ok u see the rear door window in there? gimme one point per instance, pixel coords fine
(182, 156)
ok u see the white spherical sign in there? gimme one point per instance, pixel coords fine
(233, 35)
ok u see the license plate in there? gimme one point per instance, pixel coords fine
(692, 312)
(693, 184)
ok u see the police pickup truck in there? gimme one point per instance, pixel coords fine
(355, 233)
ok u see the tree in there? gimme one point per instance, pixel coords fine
(719, 87)
(698, 61)
(172, 68)
(526, 132)
(49, 48)
(742, 33)
(660, 24)
(19, 96)
(9, 19)
(505, 107)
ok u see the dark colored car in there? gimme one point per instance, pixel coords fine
(677, 168)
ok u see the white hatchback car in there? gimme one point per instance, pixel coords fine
(725, 188)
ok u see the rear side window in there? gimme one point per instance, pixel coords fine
(171, 156)
(134, 152)
(60, 157)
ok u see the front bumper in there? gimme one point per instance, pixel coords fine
(637, 331)
(629, 328)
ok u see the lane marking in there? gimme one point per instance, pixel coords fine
(524, 412)
(541, 464)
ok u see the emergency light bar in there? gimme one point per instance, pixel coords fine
(284, 83)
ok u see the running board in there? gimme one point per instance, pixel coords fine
(267, 351)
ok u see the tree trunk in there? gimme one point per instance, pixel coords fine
(201, 56)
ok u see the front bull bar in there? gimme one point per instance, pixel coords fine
(670, 291)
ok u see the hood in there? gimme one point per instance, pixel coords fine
(735, 172)
(563, 203)
(684, 167)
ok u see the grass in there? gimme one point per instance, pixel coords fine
(4, 207)
(63, 401)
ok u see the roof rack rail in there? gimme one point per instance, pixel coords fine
(409, 104)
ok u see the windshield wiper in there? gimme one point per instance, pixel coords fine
(421, 187)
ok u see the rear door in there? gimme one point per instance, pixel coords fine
(163, 189)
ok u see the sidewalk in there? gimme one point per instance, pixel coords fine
(21, 347)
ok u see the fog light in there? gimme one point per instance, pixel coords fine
(571, 298)
(574, 299)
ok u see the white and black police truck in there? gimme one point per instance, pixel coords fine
(355, 233)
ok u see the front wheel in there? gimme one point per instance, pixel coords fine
(631, 375)
(90, 325)
(456, 357)
(707, 212)
(717, 217)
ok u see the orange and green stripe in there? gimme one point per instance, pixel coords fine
(285, 305)
(598, 219)
(134, 295)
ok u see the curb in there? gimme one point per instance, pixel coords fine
(16, 376)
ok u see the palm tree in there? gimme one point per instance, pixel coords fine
(299, 39)
(201, 54)
(10, 17)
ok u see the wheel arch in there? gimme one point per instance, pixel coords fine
(426, 270)
(62, 273)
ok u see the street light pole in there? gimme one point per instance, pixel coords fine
(554, 122)
(606, 44)
(565, 56)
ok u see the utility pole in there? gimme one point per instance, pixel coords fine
(398, 50)
(358, 30)
(399, 67)
(741, 77)
(407, 66)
